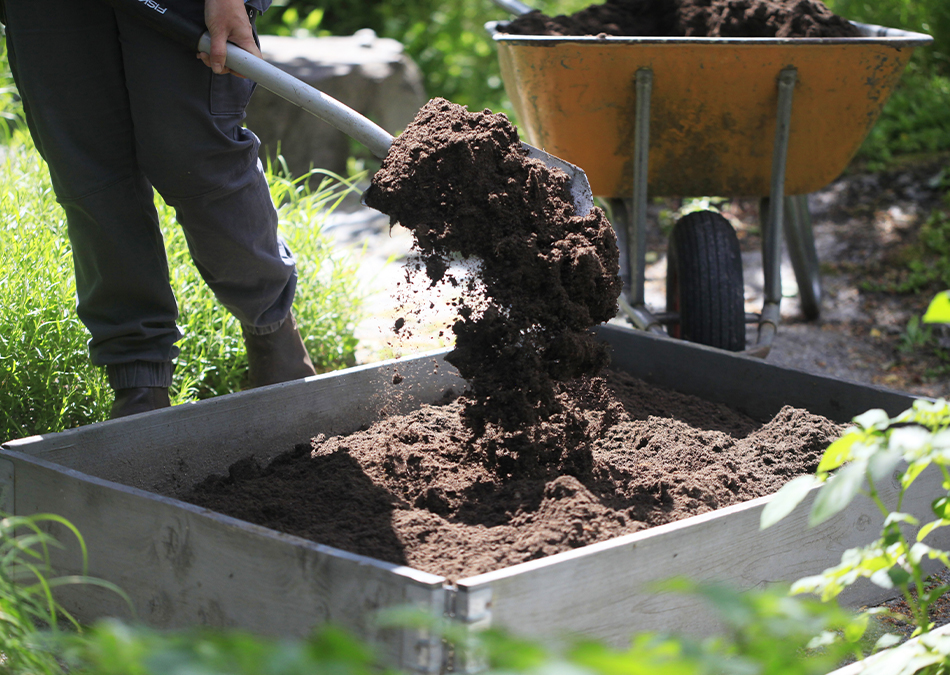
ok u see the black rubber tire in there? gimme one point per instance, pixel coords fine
(704, 282)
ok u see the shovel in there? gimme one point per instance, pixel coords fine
(194, 37)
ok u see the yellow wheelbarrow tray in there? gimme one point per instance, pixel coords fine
(682, 116)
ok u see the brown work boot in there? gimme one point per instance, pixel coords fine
(277, 357)
(136, 400)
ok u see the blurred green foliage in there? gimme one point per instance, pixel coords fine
(916, 119)
(447, 40)
(923, 16)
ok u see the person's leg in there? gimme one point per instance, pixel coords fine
(67, 62)
(191, 144)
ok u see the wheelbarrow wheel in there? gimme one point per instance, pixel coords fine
(704, 282)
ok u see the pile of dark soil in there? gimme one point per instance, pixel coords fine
(423, 490)
(462, 183)
(692, 18)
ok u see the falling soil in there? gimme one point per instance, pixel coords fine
(462, 183)
(423, 490)
(692, 18)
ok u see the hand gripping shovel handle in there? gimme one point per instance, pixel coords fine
(314, 101)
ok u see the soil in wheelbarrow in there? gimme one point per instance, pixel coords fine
(692, 18)
(423, 490)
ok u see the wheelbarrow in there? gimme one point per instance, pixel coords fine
(774, 118)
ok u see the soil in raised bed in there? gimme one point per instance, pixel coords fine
(691, 18)
(424, 490)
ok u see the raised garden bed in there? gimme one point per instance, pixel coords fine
(184, 565)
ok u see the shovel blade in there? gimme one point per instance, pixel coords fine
(581, 193)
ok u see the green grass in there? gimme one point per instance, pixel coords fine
(46, 380)
(32, 622)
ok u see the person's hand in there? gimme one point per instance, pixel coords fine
(227, 22)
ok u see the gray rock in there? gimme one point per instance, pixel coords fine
(372, 75)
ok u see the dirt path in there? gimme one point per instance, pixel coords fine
(861, 221)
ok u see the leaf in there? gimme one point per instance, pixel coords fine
(838, 492)
(838, 452)
(941, 507)
(899, 576)
(785, 500)
(939, 309)
(908, 439)
(881, 464)
(873, 419)
(934, 594)
(919, 550)
(886, 641)
(912, 471)
(856, 629)
(930, 527)
(890, 535)
(941, 440)
(898, 517)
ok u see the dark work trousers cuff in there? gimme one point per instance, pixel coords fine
(140, 374)
(263, 330)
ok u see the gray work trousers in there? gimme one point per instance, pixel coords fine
(115, 109)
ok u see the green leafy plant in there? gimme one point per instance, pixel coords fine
(912, 122)
(46, 380)
(292, 22)
(868, 453)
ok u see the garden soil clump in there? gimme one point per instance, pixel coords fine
(692, 18)
(462, 183)
(423, 490)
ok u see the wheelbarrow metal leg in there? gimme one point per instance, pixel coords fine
(635, 220)
(800, 239)
(641, 152)
(772, 227)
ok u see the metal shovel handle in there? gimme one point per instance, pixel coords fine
(514, 7)
(314, 101)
